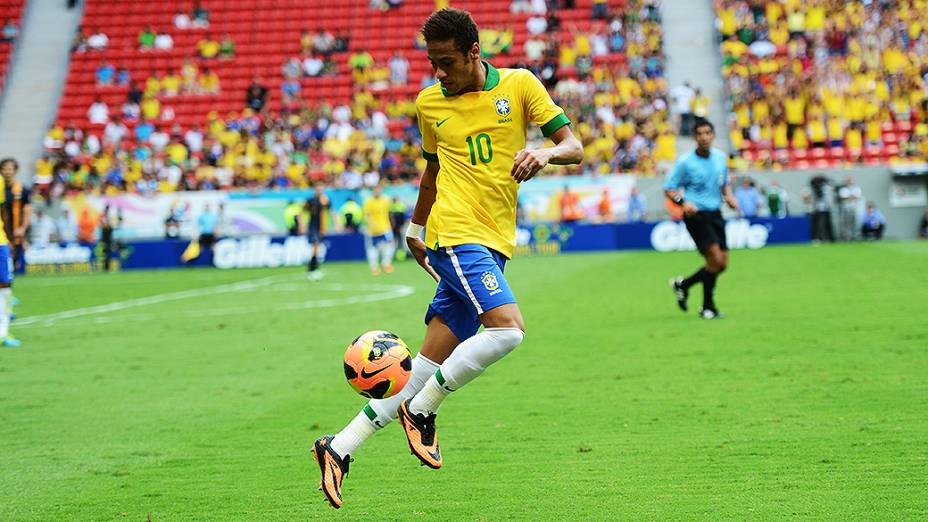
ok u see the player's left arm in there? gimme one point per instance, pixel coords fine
(567, 150)
(26, 222)
(541, 110)
(728, 195)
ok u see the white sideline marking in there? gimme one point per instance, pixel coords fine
(384, 292)
(50, 319)
(395, 292)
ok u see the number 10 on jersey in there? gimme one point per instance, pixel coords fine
(484, 149)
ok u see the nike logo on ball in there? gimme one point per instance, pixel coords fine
(366, 375)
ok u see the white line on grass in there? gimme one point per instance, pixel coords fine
(50, 319)
(383, 292)
(130, 277)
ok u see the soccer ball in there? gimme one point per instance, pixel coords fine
(377, 364)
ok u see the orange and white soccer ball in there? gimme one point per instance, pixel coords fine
(378, 364)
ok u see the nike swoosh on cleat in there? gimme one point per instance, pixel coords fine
(366, 375)
(439, 124)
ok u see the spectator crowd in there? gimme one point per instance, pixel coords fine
(607, 73)
(850, 76)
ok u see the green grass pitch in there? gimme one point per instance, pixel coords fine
(196, 396)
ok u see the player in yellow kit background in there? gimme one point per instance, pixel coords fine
(378, 233)
(473, 125)
(6, 280)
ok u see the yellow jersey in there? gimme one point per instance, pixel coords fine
(377, 215)
(3, 239)
(795, 109)
(474, 137)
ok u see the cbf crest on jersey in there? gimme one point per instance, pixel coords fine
(502, 106)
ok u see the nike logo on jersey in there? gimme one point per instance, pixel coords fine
(366, 375)
(439, 124)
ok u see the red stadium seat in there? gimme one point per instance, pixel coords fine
(890, 151)
(9, 10)
(873, 151)
(854, 154)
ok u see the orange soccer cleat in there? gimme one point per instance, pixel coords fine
(420, 433)
(333, 468)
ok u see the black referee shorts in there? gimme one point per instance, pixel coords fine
(314, 234)
(707, 228)
(207, 240)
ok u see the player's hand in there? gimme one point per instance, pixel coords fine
(528, 163)
(689, 209)
(19, 232)
(732, 203)
(417, 247)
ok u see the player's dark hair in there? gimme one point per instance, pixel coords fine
(451, 24)
(702, 122)
(4, 161)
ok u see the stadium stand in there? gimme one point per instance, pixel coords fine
(822, 83)
(139, 115)
(10, 14)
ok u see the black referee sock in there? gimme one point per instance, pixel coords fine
(698, 277)
(708, 290)
(313, 264)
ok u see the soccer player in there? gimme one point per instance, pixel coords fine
(16, 212)
(315, 208)
(378, 233)
(473, 125)
(697, 184)
(6, 282)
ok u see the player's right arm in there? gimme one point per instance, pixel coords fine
(420, 216)
(428, 189)
(672, 189)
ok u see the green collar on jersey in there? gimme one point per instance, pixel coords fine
(492, 79)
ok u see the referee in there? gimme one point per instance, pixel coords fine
(314, 211)
(698, 183)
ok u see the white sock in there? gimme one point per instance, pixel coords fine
(5, 309)
(468, 360)
(371, 252)
(353, 435)
(427, 401)
(386, 253)
(380, 412)
(385, 409)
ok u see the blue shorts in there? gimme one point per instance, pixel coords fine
(383, 238)
(6, 265)
(472, 283)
